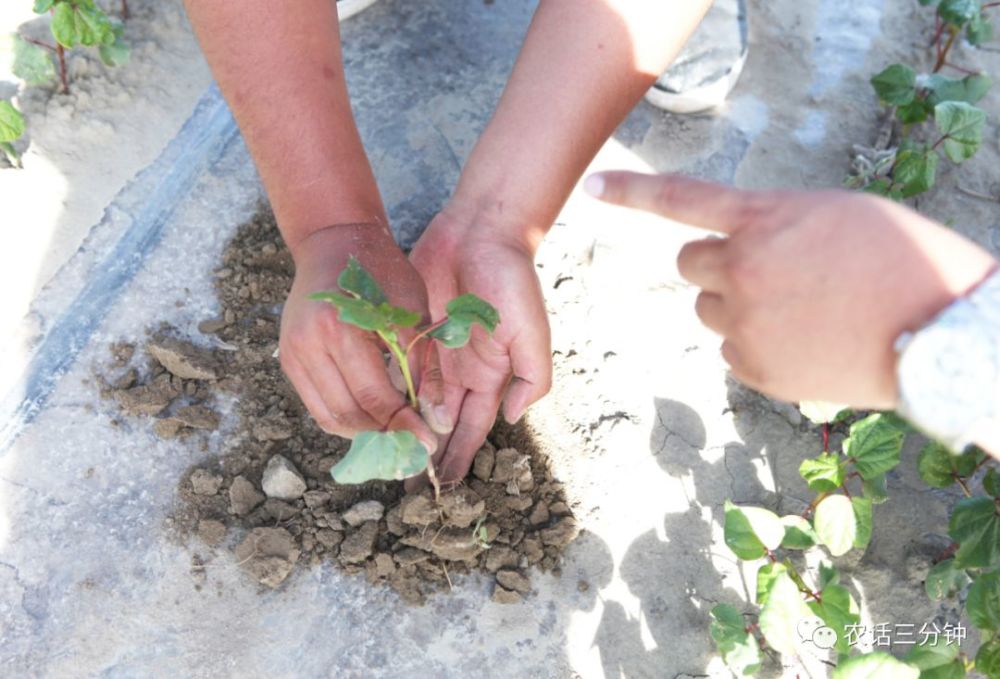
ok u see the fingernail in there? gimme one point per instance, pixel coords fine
(514, 420)
(437, 417)
(594, 185)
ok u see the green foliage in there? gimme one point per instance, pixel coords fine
(81, 22)
(936, 661)
(874, 445)
(959, 12)
(945, 580)
(983, 604)
(32, 64)
(739, 648)
(896, 85)
(799, 533)
(362, 302)
(837, 524)
(751, 531)
(464, 312)
(837, 609)
(961, 127)
(991, 482)
(781, 614)
(11, 128)
(975, 526)
(988, 658)
(916, 170)
(823, 473)
(877, 665)
(387, 455)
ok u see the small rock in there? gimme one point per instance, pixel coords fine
(212, 326)
(410, 556)
(514, 580)
(539, 515)
(505, 596)
(360, 544)
(450, 544)
(269, 554)
(369, 510)
(518, 503)
(279, 510)
(559, 508)
(462, 507)
(244, 496)
(197, 417)
(167, 428)
(500, 557)
(148, 399)
(184, 359)
(316, 498)
(282, 480)
(482, 467)
(211, 532)
(329, 538)
(582, 585)
(272, 430)
(418, 510)
(532, 550)
(384, 565)
(560, 534)
(509, 463)
(204, 482)
(394, 521)
(128, 380)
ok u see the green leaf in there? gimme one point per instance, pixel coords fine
(357, 281)
(874, 444)
(917, 111)
(896, 85)
(750, 531)
(878, 665)
(11, 122)
(738, 647)
(42, 6)
(118, 52)
(863, 521)
(938, 661)
(966, 462)
(820, 412)
(991, 482)
(12, 155)
(944, 580)
(386, 455)
(983, 604)
(936, 465)
(398, 316)
(835, 524)
(876, 489)
(828, 575)
(975, 526)
(357, 312)
(838, 609)
(781, 615)
(463, 312)
(931, 3)
(961, 125)
(980, 30)
(799, 533)
(958, 12)
(93, 26)
(915, 171)
(32, 63)
(63, 25)
(969, 89)
(766, 576)
(988, 658)
(823, 473)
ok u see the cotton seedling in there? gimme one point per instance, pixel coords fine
(361, 302)
(11, 128)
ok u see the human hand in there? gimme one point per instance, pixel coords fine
(456, 256)
(809, 289)
(339, 370)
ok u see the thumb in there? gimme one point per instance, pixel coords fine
(431, 390)
(707, 205)
(531, 361)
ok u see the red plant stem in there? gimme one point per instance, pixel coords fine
(961, 69)
(948, 552)
(939, 142)
(990, 4)
(812, 505)
(963, 486)
(40, 44)
(62, 68)
(423, 333)
(939, 29)
(124, 9)
(826, 436)
(943, 52)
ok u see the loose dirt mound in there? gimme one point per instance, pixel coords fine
(273, 484)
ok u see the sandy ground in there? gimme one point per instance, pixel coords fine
(643, 427)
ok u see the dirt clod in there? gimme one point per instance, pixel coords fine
(514, 580)
(244, 496)
(505, 596)
(204, 482)
(183, 359)
(369, 510)
(282, 480)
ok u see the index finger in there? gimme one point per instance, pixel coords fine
(683, 199)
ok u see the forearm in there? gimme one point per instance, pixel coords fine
(281, 71)
(583, 66)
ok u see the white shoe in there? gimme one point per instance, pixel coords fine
(708, 67)
(348, 8)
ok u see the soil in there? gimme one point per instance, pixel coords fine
(270, 496)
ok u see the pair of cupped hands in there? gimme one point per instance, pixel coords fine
(808, 289)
